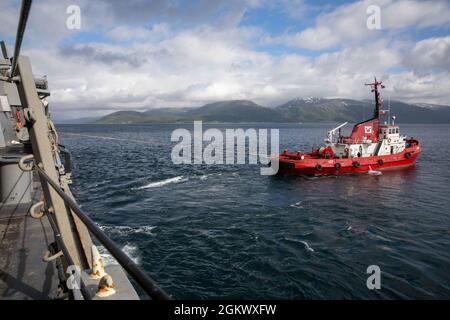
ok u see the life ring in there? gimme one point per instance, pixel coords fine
(389, 140)
(356, 164)
(407, 155)
(337, 165)
(380, 162)
(318, 167)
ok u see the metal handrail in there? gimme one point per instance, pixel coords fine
(147, 283)
(62, 246)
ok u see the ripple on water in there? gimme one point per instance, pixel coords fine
(226, 231)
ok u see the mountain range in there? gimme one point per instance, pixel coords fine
(310, 109)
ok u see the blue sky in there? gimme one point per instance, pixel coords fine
(147, 54)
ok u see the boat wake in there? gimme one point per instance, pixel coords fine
(307, 247)
(374, 172)
(178, 179)
(130, 250)
(297, 205)
(164, 182)
(127, 230)
(208, 175)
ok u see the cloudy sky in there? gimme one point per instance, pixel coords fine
(143, 54)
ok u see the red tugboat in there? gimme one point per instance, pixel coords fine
(371, 146)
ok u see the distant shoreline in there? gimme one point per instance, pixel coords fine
(318, 110)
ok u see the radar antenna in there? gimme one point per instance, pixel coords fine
(378, 101)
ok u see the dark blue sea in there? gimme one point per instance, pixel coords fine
(225, 231)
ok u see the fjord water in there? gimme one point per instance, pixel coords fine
(225, 231)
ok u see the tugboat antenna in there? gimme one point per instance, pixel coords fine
(389, 107)
(378, 102)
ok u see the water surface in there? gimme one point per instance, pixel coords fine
(225, 231)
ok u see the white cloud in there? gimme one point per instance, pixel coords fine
(429, 88)
(429, 55)
(126, 33)
(415, 14)
(346, 25)
(161, 65)
(314, 38)
(198, 66)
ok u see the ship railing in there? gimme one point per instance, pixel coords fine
(136, 273)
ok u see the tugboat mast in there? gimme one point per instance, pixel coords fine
(378, 101)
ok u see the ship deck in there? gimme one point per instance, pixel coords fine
(23, 241)
(23, 273)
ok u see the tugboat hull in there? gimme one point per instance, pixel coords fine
(293, 164)
(371, 147)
